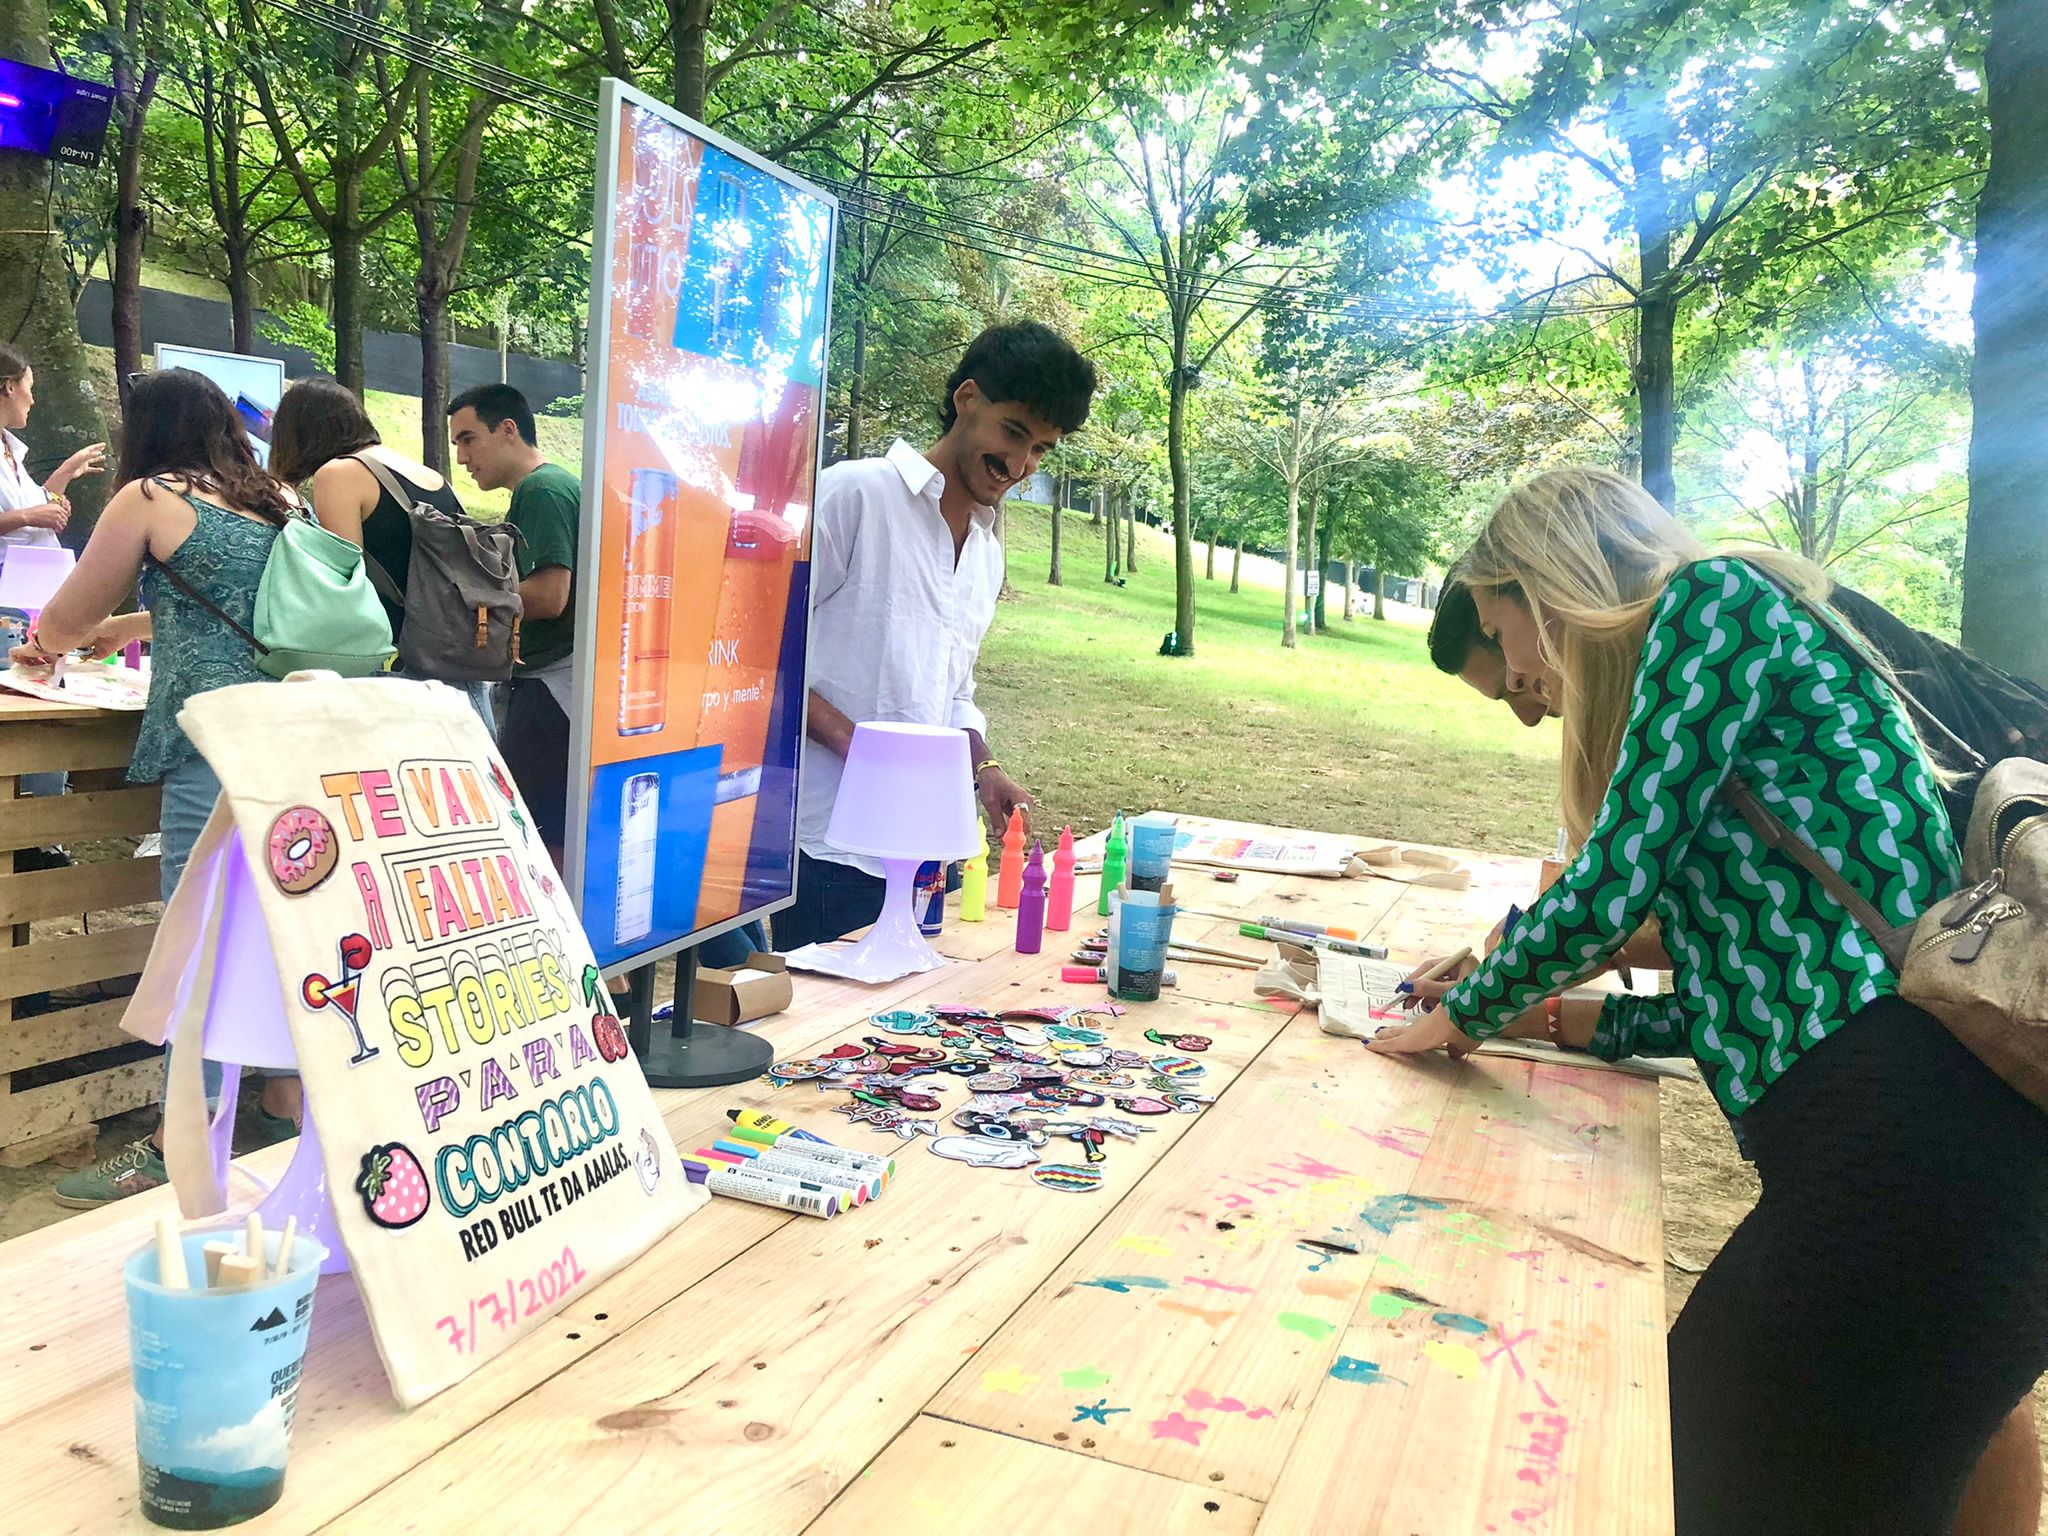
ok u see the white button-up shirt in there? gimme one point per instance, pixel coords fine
(896, 621)
(18, 490)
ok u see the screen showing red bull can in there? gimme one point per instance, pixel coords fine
(712, 278)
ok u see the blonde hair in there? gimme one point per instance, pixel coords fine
(1594, 551)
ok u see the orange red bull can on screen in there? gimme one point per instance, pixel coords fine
(649, 603)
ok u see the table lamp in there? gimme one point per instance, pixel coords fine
(30, 574)
(907, 795)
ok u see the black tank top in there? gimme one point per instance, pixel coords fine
(387, 531)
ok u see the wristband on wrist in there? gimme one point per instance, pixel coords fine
(985, 764)
(1553, 1020)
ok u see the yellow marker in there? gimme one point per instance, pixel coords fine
(974, 885)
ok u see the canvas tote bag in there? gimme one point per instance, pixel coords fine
(370, 901)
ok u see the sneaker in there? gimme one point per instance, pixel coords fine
(135, 1169)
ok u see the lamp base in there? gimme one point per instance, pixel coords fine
(892, 948)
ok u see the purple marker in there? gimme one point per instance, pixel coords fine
(1031, 904)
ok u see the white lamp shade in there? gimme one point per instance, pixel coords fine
(32, 574)
(907, 793)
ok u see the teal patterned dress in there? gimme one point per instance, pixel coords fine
(1735, 677)
(192, 651)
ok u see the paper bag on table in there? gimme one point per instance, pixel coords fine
(370, 906)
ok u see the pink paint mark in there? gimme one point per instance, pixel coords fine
(1176, 1427)
(1258, 1413)
(1507, 1347)
(1217, 1285)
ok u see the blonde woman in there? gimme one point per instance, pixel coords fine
(1845, 1360)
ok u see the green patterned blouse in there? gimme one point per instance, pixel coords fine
(1735, 677)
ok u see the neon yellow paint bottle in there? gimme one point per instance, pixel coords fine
(974, 885)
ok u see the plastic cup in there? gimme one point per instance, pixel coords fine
(1151, 856)
(216, 1377)
(1140, 933)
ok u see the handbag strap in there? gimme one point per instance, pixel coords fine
(380, 578)
(204, 601)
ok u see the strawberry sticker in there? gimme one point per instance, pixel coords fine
(393, 1186)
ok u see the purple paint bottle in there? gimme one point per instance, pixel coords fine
(1031, 905)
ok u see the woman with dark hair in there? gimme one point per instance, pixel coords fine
(323, 439)
(189, 498)
(32, 511)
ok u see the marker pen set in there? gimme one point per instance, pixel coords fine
(770, 1162)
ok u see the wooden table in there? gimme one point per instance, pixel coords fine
(977, 1354)
(62, 1070)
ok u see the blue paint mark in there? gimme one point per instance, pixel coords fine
(1460, 1322)
(1364, 1373)
(1096, 1413)
(1391, 1211)
(1122, 1284)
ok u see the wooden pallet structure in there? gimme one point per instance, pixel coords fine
(63, 934)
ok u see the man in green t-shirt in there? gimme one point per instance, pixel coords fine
(492, 429)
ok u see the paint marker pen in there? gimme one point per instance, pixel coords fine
(1297, 926)
(1311, 941)
(784, 1158)
(850, 1194)
(753, 1125)
(1101, 973)
(760, 1189)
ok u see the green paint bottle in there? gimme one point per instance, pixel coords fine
(1113, 855)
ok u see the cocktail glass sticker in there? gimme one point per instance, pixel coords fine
(342, 993)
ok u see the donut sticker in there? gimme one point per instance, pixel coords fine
(303, 850)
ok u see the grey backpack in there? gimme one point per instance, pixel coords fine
(461, 598)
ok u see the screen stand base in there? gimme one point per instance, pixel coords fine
(688, 1054)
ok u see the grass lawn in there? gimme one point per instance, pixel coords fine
(1354, 731)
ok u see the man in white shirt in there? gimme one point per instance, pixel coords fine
(905, 570)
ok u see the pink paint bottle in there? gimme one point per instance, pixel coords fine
(1059, 910)
(1031, 905)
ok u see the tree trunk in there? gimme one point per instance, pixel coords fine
(1315, 561)
(1130, 533)
(1379, 591)
(241, 299)
(1290, 584)
(1109, 542)
(1096, 504)
(1177, 466)
(1350, 584)
(1209, 562)
(1236, 563)
(135, 86)
(1656, 310)
(2005, 562)
(689, 22)
(1059, 503)
(856, 385)
(36, 311)
(432, 307)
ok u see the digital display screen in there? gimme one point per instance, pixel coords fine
(694, 590)
(253, 385)
(48, 113)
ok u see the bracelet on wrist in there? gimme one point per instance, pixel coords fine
(985, 764)
(1553, 1020)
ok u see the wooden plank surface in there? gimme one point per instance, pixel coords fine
(79, 1100)
(769, 1373)
(94, 739)
(73, 960)
(38, 821)
(80, 888)
(940, 1479)
(67, 1032)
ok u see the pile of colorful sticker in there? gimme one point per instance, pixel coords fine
(1032, 1077)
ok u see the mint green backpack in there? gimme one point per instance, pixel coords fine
(315, 607)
